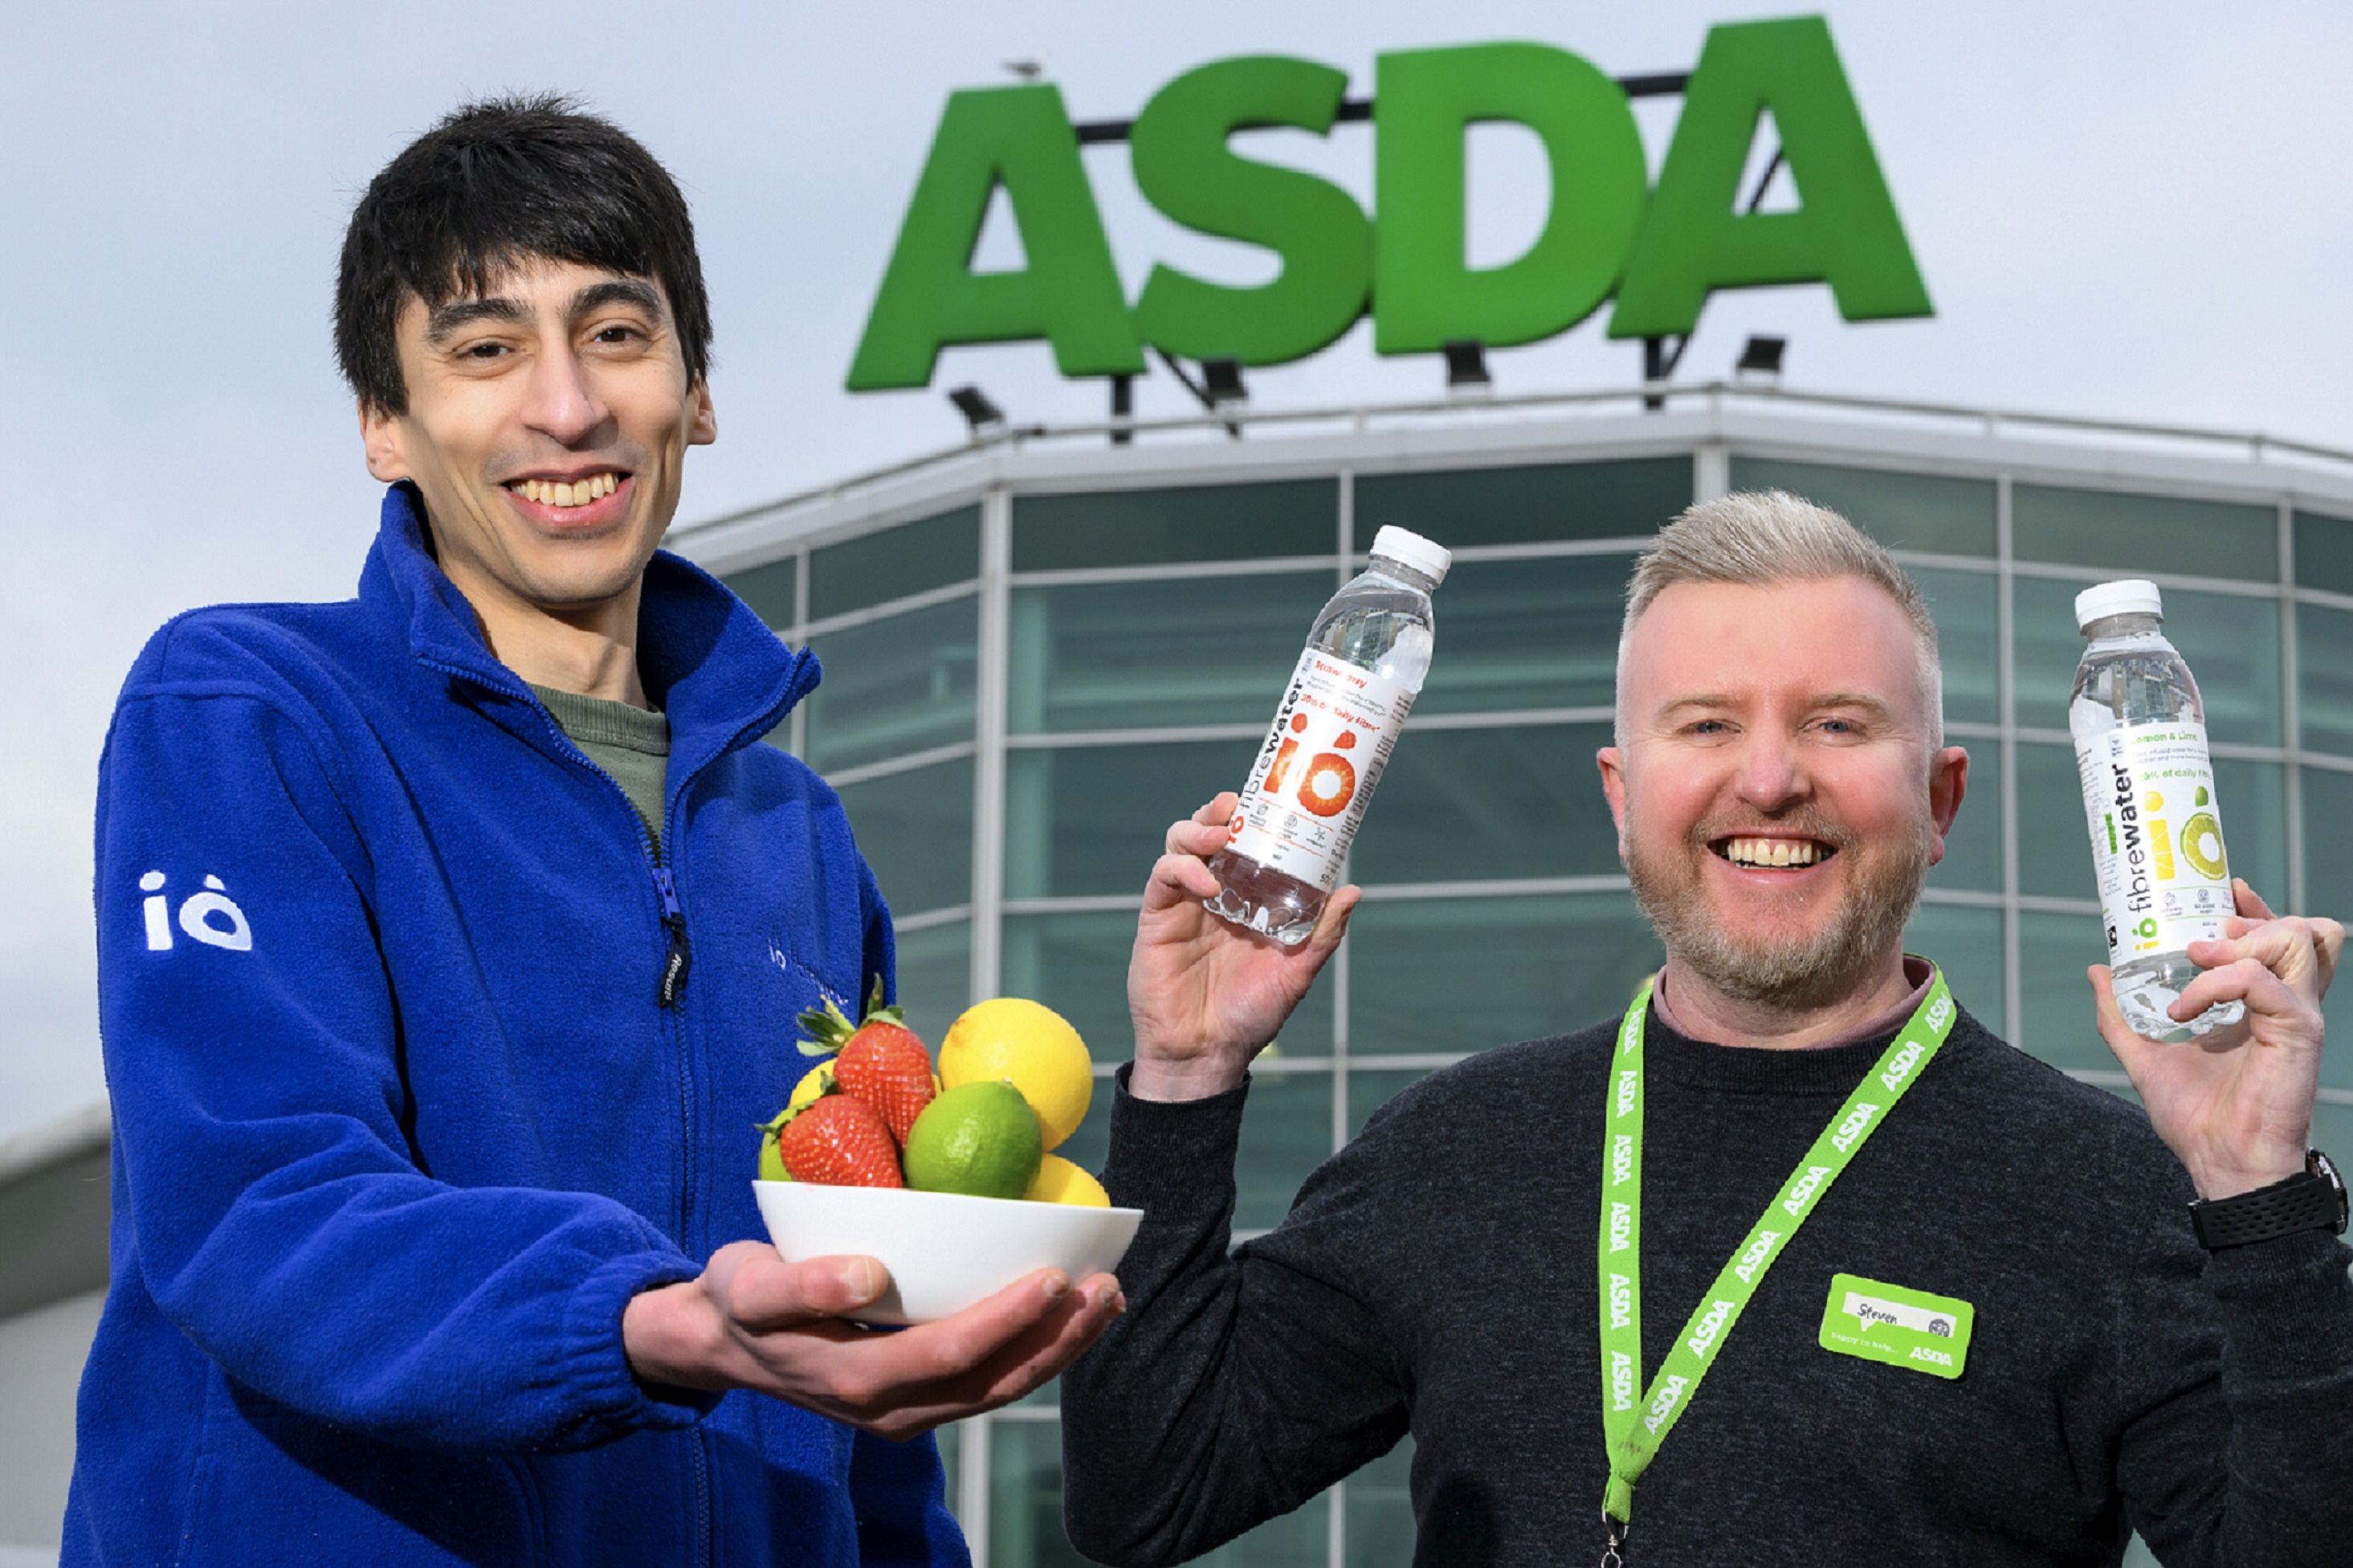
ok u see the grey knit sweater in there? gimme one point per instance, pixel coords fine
(1436, 1276)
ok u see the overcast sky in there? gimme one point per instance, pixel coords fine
(2130, 210)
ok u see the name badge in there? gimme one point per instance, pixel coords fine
(1902, 1328)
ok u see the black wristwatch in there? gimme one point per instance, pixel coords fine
(2313, 1200)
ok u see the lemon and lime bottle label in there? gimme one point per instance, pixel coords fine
(1307, 792)
(2157, 839)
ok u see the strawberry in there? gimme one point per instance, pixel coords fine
(887, 1066)
(879, 1060)
(840, 1142)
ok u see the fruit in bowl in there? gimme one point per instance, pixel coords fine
(945, 1251)
(944, 1177)
(979, 1139)
(1031, 1047)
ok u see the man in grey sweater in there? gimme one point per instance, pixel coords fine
(1796, 1263)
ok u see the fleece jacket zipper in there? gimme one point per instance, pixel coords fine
(676, 963)
(673, 984)
(680, 959)
(677, 957)
(669, 994)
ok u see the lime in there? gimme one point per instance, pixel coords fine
(979, 1139)
(1030, 1046)
(1060, 1181)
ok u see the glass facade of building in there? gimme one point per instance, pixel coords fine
(1031, 669)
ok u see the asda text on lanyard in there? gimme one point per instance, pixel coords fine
(1635, 1421)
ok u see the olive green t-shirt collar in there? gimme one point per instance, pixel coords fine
(600, 721)
(630, 744)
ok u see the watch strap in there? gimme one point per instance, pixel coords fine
(2312, 1199)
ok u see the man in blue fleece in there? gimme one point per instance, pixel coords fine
(451, 937)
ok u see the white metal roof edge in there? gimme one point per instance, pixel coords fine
(1761, 421)
(71, 1136)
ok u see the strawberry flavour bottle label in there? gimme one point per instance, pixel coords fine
(1309, 788)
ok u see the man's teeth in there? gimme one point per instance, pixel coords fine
(577, 492)
(1772, 851)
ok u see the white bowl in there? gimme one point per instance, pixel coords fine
(945, 1251)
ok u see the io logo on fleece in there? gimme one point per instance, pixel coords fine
(210, 916)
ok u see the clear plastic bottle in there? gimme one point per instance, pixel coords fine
(2148, 794)
(1366, 657)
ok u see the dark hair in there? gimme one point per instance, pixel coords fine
(494, 184)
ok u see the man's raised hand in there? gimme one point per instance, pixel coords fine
(1206, 995)
(2236, 1104)
(752, 1321)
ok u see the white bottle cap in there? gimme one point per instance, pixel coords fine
(2131, 596)
(1407, 548)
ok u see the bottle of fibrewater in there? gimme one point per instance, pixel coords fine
(1365, 659)
(2148, 791)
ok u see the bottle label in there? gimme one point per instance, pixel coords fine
(1323, 755)
(2157, 839)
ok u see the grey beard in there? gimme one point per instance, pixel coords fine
(1797, 972)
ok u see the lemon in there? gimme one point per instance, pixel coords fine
(1060, 1181)
(979, 1139)
(1030, 1046)
(814, 1083)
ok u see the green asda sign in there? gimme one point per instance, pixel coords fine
(1658, 252)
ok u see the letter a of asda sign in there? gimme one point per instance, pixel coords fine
(1659, 252)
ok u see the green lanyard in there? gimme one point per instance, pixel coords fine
(1634, 1422)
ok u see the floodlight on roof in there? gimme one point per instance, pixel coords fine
(1222, 380)
(1762, 354)
(1123, 407)
(1466, 364)
(977, 410)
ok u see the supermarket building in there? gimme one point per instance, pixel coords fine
(1042, 648)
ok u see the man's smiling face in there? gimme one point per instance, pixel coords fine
(548, 420)
(1776, 787)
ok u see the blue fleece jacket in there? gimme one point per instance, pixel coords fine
(410, 1097)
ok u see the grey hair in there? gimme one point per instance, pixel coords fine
(1758, 538)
